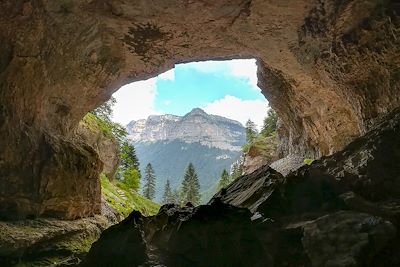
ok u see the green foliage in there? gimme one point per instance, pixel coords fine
(108, 128)
(264, 144)
(225, 180)
(270, 123)
(237, 170)
(161, 154)
(251, 131)
(308, 161)
(104, 111)
(99, 119)
(191, 186)
(120, 197)
(167, 197)
(131, 178)
(149, 188)
(128, 156)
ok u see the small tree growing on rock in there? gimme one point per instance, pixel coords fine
(251, 131)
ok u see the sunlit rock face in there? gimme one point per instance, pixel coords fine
(329, 68)
(195, 126)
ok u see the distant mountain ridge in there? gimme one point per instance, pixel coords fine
(212, 143)
(196, 126)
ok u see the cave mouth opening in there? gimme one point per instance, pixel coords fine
(156, 111)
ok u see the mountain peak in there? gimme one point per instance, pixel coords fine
(195, 126)
(197, 111)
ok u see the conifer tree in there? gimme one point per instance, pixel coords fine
(167, 197)
(128, 156)
(176, 197)
(191, 186)
(237, 170)
(225, 180)
(251, 131)
(270, 123)
(149, 188)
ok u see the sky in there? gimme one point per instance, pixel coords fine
(225, 88)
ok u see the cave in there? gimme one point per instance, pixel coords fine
(329, 68)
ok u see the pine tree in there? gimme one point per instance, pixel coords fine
(237, 169)
(251, 131)
(191, 186)
(149, 188)
(167, 197)
(270, 123)
(128, 170)
(128, 156)
(176, 197)
(225, 180)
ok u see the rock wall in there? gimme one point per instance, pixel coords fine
(106, 147)
(328, 67)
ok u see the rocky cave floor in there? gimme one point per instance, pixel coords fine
(341, 211)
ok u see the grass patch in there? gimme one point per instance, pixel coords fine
(125, 200)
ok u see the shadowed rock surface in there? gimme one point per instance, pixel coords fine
(335, 212)
(47, 241)
(329, 68)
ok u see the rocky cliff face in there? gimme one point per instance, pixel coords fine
(106, 147)
(196, 126)
(329, 68)
(343, 210)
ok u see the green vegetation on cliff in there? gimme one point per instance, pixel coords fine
(264, 143)
(120, 193)
(124, 200)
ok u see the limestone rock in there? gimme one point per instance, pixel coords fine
(106, 147)
(329, 68)
(195, 126)
(48, 242)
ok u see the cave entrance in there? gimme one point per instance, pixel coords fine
(195, 113)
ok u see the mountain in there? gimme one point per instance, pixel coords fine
(212, 143)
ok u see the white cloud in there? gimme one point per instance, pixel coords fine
(246, 69)
(242, 68)
(168, 75)
(135, 101)
(238, 109)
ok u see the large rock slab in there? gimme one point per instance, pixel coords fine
(48, 241)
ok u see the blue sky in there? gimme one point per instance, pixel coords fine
(226, 88)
